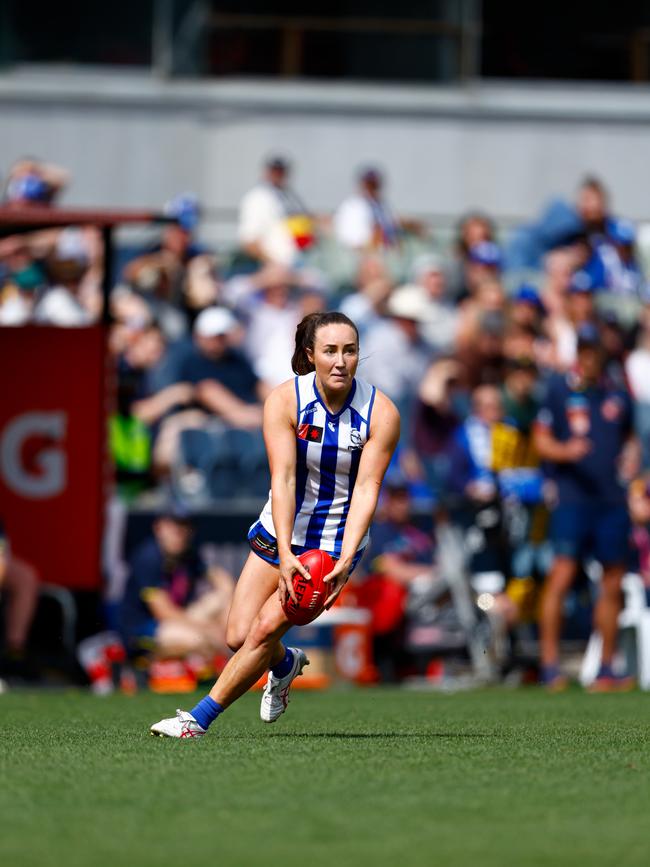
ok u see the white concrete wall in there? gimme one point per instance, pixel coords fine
(135, 141)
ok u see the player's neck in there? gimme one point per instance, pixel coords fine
(334, 400)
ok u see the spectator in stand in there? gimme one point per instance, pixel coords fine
(621, 272)
(638, 501)
(19, 597)
(480, 338)
(33, 183)
(398, 555)
(274, 224)
(364, 221)
(177, 278)
(476, 458)
(526, 307)
(584, 433)
(395, 353)
(23, 281)
(440, 407)
(177, 599)
(562, 328)
(487, 301)
(440, 329)
(366, 304)
(520, 401)
(587, 221)
(268, 303)
(220, 383)
(637, 369)
(483, 264)
(473, 229)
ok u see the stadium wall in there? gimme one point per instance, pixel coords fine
(135, 141)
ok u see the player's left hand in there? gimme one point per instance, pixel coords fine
(337, 579)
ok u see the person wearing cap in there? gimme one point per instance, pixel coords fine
(621, 272)
(222, 382)
(176, 276)
(578, 309)
(274, 224)
(584, 434)
(483, 263)
(176, 598)
(33, 183)
(526, 306)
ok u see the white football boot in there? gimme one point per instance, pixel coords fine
(183, 725)
(275, 697)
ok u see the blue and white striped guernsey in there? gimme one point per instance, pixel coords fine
(328, 451)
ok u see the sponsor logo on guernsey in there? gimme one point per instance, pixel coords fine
(265, 546)
(310, 432)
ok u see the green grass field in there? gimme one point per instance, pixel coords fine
(378, 777)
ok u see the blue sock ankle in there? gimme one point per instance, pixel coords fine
(283, 668)
(206, 711)
(549, 673)
(605, 670)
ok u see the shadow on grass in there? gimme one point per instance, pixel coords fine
(357, 735)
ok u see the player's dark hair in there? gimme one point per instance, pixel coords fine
(306, 334)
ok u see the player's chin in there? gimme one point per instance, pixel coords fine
(336, 381)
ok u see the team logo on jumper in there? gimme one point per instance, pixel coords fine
(611, 409)
(355, 440)
(577, 410)
(310, 432)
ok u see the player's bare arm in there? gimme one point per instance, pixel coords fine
(280, 439)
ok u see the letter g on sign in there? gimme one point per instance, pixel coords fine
(51, 461)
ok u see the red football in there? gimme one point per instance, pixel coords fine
(311, 595)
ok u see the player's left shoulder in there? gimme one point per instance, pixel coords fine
(385, 416)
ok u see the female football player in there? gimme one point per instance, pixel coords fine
(329, 438)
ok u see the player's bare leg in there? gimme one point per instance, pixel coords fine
(557, 585)
(260, 650)
(254, 656)
(257, 583)
(606, 614)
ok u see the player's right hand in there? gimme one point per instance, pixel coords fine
(577, 448)
(289, 565)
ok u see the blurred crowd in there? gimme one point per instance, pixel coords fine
(519, 361)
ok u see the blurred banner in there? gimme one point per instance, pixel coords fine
(52, 457)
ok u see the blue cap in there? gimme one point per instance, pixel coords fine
(176, 511)
(185, 208)
(588, 334)
(486, 253)
(528, 294)
(621, 231)
(581, 282)
(31, 188)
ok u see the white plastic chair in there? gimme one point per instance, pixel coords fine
(634, 626)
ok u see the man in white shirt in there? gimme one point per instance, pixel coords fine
(267, 214)
(364, 220)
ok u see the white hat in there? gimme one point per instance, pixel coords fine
(409, 302)
(214, 321)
